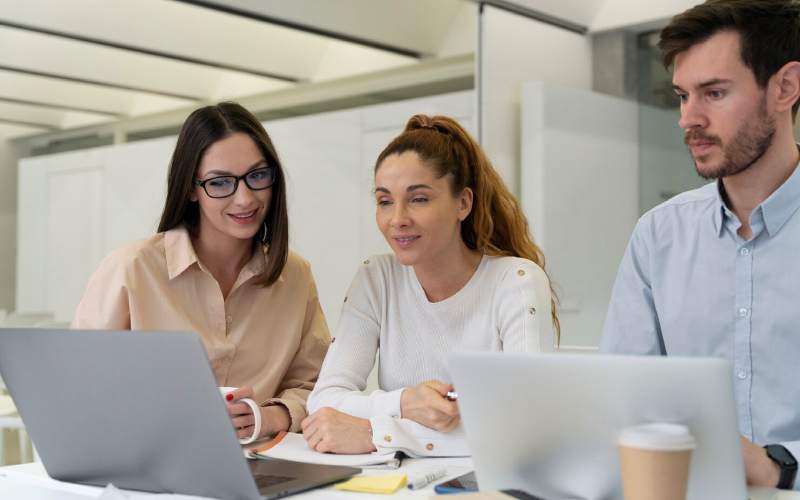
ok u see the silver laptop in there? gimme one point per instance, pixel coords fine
(140, 410)
(548, 424)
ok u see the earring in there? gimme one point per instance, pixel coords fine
(264, 237)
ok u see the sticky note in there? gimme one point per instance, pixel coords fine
(374, 484)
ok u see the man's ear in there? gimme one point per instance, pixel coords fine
(788, 80)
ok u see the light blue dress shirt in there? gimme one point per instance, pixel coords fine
(688, 285)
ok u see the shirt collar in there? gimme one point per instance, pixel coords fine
(181, 255)
(776, 209)
(782, 203)
(179, 251)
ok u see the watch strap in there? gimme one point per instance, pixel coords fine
(788, 472)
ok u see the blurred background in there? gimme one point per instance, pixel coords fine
(568, 98)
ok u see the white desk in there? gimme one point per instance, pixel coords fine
(30, 482)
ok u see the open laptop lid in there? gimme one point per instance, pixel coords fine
(548, 424)
(139, 409)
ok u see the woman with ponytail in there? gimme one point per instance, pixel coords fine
(465, 276)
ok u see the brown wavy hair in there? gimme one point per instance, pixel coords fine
(496, 225)
(204, 127)
(769, 33)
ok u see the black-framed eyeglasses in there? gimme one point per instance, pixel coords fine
(226, 185)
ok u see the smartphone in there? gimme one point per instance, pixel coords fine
(467, 483)
(461, 484)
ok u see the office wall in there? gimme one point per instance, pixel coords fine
(511, 50)
(580, 192)
(74, 208)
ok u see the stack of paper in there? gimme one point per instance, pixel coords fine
(291, 446)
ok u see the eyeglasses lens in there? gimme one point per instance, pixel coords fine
(261, 178)
(220, 187)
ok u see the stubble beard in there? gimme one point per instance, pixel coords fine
(749, 145)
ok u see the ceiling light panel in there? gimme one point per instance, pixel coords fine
(65, 93)
(84, 60)
(52, 118)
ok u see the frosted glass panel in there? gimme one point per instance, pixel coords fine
(666, 167)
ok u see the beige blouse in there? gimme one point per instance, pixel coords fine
(273, 339)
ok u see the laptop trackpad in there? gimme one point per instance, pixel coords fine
(280, 476)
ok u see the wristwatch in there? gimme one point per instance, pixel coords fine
(788, 464)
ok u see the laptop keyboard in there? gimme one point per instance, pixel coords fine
(264, 480)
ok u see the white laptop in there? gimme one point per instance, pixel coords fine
(548, 423)
(140, 410)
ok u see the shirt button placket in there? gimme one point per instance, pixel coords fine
(742, 363)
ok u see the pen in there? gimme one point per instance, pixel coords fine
(451, 396)
(419, 482)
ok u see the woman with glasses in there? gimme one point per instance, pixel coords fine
(465, 275)
(220, 266)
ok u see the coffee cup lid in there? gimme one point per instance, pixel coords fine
(666, 437)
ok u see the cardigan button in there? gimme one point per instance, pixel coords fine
(429, 447)
(532, 310)
(387, 438)
(521, 272)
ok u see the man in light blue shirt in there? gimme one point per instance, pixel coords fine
(716, 271)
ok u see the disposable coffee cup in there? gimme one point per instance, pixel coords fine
(256, 412)
(655, 460)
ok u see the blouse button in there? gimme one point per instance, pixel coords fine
(387, 438)
(345, 299)
(366, 262)
(429, 447)
(333, 340)
(226, 360)
(521, 272)
(532, 310)
(228, 319)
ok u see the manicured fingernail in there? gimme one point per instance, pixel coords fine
(229, 397)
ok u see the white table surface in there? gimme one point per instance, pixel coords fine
(30, 482)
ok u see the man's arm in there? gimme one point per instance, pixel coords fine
(632, 325)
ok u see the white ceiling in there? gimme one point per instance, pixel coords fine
(71, 63)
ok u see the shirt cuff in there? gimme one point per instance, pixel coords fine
(296, 411)
(415, 440)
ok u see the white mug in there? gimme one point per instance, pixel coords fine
(256, 413)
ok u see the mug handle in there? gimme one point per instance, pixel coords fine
(257, 415)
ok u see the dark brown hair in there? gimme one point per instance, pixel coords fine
(769, 33)
(203, 128)
(496, 226)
